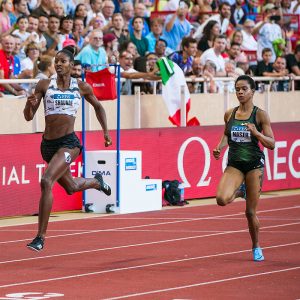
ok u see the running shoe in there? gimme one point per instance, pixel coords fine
(37, 244)
(105, 188)
(242, 190)
(257, 254)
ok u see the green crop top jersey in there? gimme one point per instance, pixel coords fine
(243, 147)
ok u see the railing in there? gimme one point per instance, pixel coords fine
(137, 106)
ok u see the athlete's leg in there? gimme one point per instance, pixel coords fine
(254, 179)
(228, 185)
(72, 184)
(58, 166)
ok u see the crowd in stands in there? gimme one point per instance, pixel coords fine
(206, 38)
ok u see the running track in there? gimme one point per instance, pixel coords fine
(196, 252)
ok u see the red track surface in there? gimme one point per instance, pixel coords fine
(198, 252)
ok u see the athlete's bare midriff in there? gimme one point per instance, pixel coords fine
(58, 126)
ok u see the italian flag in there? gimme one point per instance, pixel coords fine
(172, 79)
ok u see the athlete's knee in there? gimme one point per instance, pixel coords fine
(46, 182)
(250, 213)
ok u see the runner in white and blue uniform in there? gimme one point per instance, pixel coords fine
(60, 146)
(245, 126)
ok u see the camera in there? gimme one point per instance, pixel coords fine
(275, 18)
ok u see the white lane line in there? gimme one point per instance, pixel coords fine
(138, 245)
(141, 266)
(204, 283)
(151, 224)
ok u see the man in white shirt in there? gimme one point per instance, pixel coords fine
(214, 54)
(249, 42)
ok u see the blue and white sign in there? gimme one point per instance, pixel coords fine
(130, 163)
(151, 187)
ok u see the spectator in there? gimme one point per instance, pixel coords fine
(210, 31)
(286, 9)
(45, 8)
(184, 58)
(250, 8)
(58, 8)
(33, 23)
(127, 12)
(215, 55)
(42, 29)
(238, 13)
(293, 63)
(43, 69)
(111, 47)
(234, 53)
(136, 37)
(7, 67)
(196, 72)
(66, 25)
(127, 71)
(21, 32)
(177, 26)
(20, 8)
(237, 37)
(108, 8)
(206, 6)
(130, 47)
(52, 36)
(6, 8)
(95, 13)
(139, 11)
(32, 52)
(78, 33)
(222, 18)
(155, 33)
(209, 72)
(77, 70)
(81, 13)
(160, 48)
(118, 28)
(249, 42)
(94, 54)
(268, 31)
(280, 70)
(265, 66)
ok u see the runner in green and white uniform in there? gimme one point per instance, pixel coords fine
(245, 126)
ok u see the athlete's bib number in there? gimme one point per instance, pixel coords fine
(240, 134)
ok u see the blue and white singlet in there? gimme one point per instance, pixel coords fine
(62, 102)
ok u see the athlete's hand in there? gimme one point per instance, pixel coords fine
(216, 153)
(252, 128)
(108, 141)
(32, 100)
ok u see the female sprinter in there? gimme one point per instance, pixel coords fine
(245, 126)
(60, 146)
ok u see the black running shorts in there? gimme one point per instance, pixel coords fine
(245, 167)
(50, 147)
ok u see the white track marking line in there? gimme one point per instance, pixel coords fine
(204, 283)
(152, 224)
(141, 266)
(139, 245)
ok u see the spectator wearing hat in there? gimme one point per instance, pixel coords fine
(111, 45)
(268, 31)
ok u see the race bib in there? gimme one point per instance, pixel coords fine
(63, 100)
(240, 134)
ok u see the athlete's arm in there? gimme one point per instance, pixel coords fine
(34, 100)
(224, 139)
(87, 92)
(267, 137)
(140, 75)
